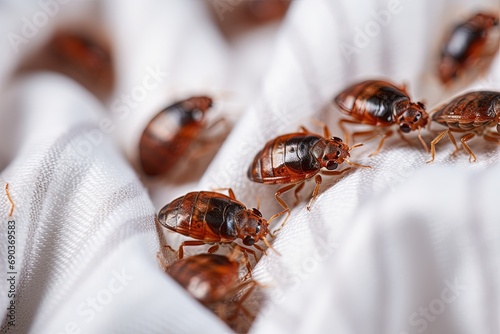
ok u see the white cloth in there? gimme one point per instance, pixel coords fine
(379, 248)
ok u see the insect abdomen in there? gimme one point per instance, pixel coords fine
(261, 168)
(371, 102)
(461, 39)
(202, 215)
(469, 111)
(208, 277)
(381, 106)
(284, 159)
(166, 139)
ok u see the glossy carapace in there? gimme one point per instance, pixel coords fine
(466, 45)
(293, 158)
(381, 104)
(170, 133)
(473, 113)
(213, 218)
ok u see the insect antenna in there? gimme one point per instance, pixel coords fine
(355, 146)
(357, 165)
(353, 163)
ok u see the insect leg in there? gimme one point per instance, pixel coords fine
(326, 132)
(296, 193)
(282, 191)
(318, 179)
(248, 250)
(335, 172)
(435, 141)
(12, 205)
(188, 243)
(344, 130)
(260, 249)
(422, 141)
(452, 139)
(464, 139)
(321, 124)
(304, 129)
(247, 265)
(239, 304)
(365, 133)
(235, 250)
(492, 137)
(213, 249)
(225, 123)
(285, 207)
(403, 138)
(287, 211)
(165, 258)
(207, 142)
(229, 191)
(403, 88)
(202, 149)
(381, 143)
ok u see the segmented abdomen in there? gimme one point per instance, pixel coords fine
(371, 102)
(285, 159)
(469, 111)
(208, 277)
(206, 216)
(459, 45)
(166, 139)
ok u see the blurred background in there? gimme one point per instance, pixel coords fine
(373, 255)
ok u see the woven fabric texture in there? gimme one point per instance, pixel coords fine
(403, 247)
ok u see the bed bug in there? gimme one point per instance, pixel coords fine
(82, 51)
(214, 218)
(293, 158)
(381, 104)
(169, 134)
(234, 19)
(266, 10)
(213, 280)
(465, 46)
(84, 58)
(470, 113)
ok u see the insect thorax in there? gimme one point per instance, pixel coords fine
(222, 218)
(300, 153)
(387, 104)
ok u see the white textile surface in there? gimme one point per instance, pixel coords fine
(404, 247)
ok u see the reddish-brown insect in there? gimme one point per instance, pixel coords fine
(266, 10)
(471, 113)
(234, 18)
(170, 133)
(293, 158)
(82, 51)
(208, 277)
(381, 104)
(465, 46)
(84, 58)
(213, 280)
(214, 218)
